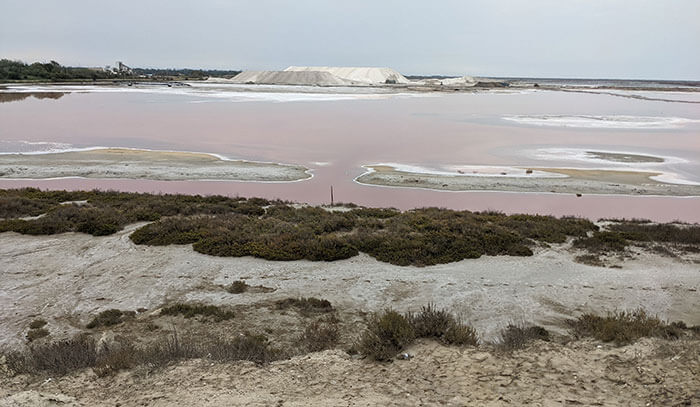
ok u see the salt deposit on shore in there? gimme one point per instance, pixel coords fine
(144, 164)
(562, 180)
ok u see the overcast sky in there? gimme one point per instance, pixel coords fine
(653, 39)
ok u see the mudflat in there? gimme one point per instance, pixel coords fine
(577, 181)
(144, 164)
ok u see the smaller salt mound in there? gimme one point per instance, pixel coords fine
(374, 76)
(289, 78)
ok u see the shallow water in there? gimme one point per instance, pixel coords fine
(336, 133)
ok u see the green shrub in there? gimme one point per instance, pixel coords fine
(62, 357)
(57, 358)
(107, 318)
(16, 207)
(460, 335)
(441, 325)
(320, 335)
(517, 336)
(386, 335)
(238, 287)
(623, 327)
(191, 310)
(273, 230)
(37, 323)
(37, 333)
(687, 234)
(602, 242)
(305, 305)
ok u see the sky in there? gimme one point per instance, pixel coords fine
(633, 39)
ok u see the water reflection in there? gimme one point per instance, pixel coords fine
(8, 97)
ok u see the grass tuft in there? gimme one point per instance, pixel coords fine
(517, 336)
(623, 327)
(305, 305)
(238, 287)
(109, 317)
(37, 323)
(320, 335)
(191, 310)
(386, 335)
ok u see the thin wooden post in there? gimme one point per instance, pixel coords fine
(331, 195)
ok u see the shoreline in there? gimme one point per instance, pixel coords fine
(130, 163)
(570, 181)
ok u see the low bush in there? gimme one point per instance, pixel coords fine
(517, 336)
(274, 230)
(646, 232)
(55, 358)
(238, 287)
(602, 242)
(16, 207)
(37, 333)
(62, 357)
(431, 322)
(191, 310)
(305, 305)
(386, 335)
(37, 323)
(108, 318)
(320, 335)
(623, 327)
(590, 259)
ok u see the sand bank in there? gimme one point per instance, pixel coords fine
(144, 164)
(575, 181)
(650, 372)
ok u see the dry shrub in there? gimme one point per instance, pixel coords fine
(218, 314)
(602, 242)
(56, 358)
(60, 358)
(320, 335)
(386, 335)
(37, 333)
(109, 317)
(305, 305)
(441, 325)
(37, 323)
(517, 336)
(590, 260)
(238, 287)
(623, 327)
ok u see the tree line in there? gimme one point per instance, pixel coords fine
(53, 71)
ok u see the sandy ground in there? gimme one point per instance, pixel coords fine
(578, 181)
(66, 279)
(650, 372)
(143, 164)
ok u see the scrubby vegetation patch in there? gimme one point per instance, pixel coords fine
(217, 314)
(388, 333)
(624, 327)
(110, 317)
(307, 305)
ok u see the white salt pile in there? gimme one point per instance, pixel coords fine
(372, 76)
(289, 78)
